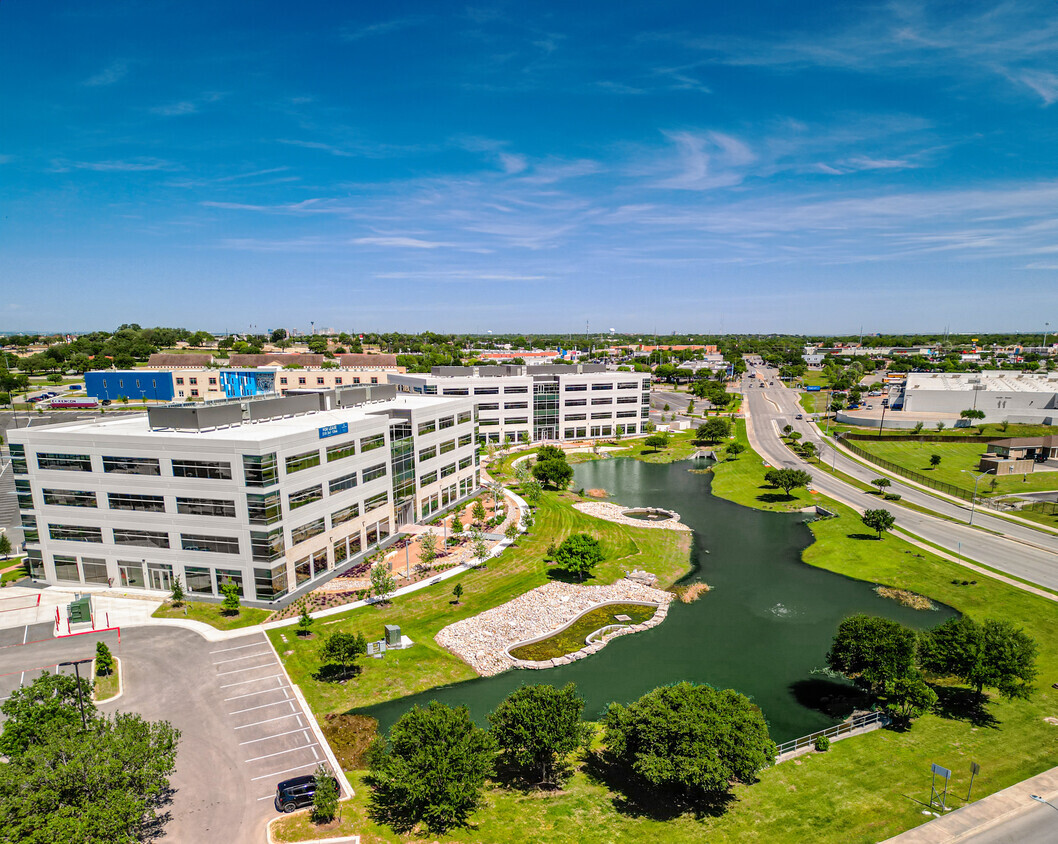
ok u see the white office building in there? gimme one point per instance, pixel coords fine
(579, 401)
(274, 495)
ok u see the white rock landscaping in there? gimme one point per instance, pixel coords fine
(616, 513)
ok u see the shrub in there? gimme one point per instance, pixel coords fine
(892, 496)
(822, 744)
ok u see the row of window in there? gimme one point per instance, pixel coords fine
(138, 538)
(509, 390)
(307, 531)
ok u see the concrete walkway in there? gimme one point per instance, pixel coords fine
(985, 813)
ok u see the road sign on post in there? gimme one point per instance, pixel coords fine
(943, 772)
(974, 770)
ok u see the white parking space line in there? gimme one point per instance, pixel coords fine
(254, 680)
(252, 668)
(237, 648)
(25, 635)
(287, 771)
(262, 706)
(279, 753)
(274, 735)
(248, 656)
(266, 797)
(251, 694)
(269, 720)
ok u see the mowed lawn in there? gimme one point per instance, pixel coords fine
(956, 457)
(741, 479)
(421, 615)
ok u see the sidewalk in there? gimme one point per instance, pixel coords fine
(983, 814)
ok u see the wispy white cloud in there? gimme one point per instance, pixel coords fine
(459, 275)
(512, 163)
(708, 160)
(400, 242)
(133, 165)
(1043, 83)
(112, 73)
(184, 107)
(352, 33)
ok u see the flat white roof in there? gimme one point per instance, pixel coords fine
(993, 380)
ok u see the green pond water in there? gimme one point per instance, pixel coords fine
(764, 629)
(573, 637)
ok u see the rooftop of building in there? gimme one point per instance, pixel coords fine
(514, 370)
(163, 360)
(990, 380)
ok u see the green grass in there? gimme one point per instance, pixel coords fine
(993, 431)
(572, 638)
(742, 480)
(814, 378)
(213, 615)
(955, 458)
(681, 446)
(106, 686)
(421, 615)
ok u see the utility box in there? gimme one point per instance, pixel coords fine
(80, 610)
(392, 636)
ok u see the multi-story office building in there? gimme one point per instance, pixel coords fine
(269, 494)
(573, 402)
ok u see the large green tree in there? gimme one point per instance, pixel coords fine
(535, 728)
(873, 651)
(432, 769)
(578, 554)
(553, 471)
(689, 740)
(995, 654)
(788, 479)
(714, 430)
(343, 649)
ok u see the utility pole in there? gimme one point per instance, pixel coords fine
(80, 702)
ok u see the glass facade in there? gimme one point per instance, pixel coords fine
(341, 451)
(141, 538)
(545, 410)
(297, 462)
(266, 547)
(140, 503)
(213, 470)
(64, 462)
(205, 507)
(25, 494)
(265, 508)
(260, 470)
(402, 460)
(209, 544)
(132, 465)
(305, 496)
(18, 459)
(75, 533)
(69, 498)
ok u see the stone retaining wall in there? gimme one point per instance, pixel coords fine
(616, 513)
(482, 641)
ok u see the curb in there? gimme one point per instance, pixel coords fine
(121, 683)
(348, 839)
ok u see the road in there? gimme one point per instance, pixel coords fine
(1021, 551)
(1038, 824)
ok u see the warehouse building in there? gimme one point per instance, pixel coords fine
(274, 495)
(1015, 396)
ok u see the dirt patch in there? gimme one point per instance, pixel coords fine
(691, 592)
(597, 493)
(349, 737)
(908, 599)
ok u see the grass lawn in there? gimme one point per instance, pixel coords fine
(814, 378)
(106, 686)
(742, 480)
(421, 615)
(681, 446)
(992, 430)
(955, 457)
(213, 615)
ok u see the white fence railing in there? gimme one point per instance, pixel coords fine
(857, 722)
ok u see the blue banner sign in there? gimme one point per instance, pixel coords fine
(334, 430)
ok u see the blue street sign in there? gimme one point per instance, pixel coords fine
(334, 430)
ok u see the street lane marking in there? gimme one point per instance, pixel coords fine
(256, 644)
(262, 706)
(279, 753)
(251, 694)
(276, 735)
(287, 771)
(267, 720)
(238, 658)
(254, 680)
(251, 668)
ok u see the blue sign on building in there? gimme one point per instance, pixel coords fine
(334, 430)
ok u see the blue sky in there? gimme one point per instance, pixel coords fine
(699, 166)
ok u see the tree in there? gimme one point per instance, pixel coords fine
(972, 413)
(230, 604)
(457, 592)
(431, 770)
(909, 697)
(714, 430)
(918, 427)
(479, 546)
(305, 620)
(872, 651)
(934, 461)
(881, 483)
(457, 525)
(325, 800)
(735, 449)
(278, 334)
(104, 660)
(382, 583)
(532, 490)
(523, 438)
(689, 740)
(5, 545)
(555, 472)
(878, 520)
(535, 728)
(787, 430)
(996, 654)
(578, 554)
(939, 426)
(657, 441)
(808, 451)
(427, 548)
(49, 703)
(478, 512)
(511, 531)
(343, 649)
(788, 479)
(176, 597)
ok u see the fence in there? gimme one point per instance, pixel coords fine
(917, 477)
(857, 722)
(1047, 508)
(919, 438)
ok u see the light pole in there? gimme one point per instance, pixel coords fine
(881, 425)
(80, 702)
(973, 501)
(1039, 799)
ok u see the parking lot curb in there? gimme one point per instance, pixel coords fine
(348, 839)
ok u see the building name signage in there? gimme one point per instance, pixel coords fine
(333, 430)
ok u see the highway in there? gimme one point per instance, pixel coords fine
(1020, 551)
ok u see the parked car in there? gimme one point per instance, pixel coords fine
(800, 416)
(298, 792)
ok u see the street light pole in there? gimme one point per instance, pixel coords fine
(1039, 799)
(973, 501)
(80, 701)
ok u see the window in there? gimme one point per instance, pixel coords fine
(338, 382)
(346, 514)
(213, 382)
(465, 440)
(428, 478)
(376, 501)
(29, 528)
(141, 538)
(576, 402)
(297, 462)
(266, 546)
(301, 380)
(445, 422)
(626, 414)
(448, 446)
(603, 400)
(489, 406)
(260, 470)
(95, 570)
(307, 531)
(455, 391)
(517, 405)
(198, 580)
(283, 380)
(270, 584)
(602, 386)
(131, 574)
(212, 470)
(138, 503)
(341, 451)
(205, 507)
(373, 472)
(66, 569)
(192, 380)
(576, 388)
(305, 496)
(627, 399)
(448, 470)
(509, 390)
(427, 453)
(194, 392)
(465, 462)
(575, 417)
(319, 380)
(516, 420)
(264, 509)
(464, 417)
(180, 381)
(372, 442)
(75, 533)
(69, 498)
(628, 385)
(604, 415)
(484, 423)
(486, 391)
(209, 544)
(25, 494)
(18, 459)
(343, 483)
(132, 466)
(64, 462)
(427, 427)
(226, 576)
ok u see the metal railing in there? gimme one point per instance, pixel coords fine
(857, 722)
(1047, 508)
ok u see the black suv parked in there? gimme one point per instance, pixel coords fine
(298, 792)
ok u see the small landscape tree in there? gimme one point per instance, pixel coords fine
(909, 697)
(535, 728)
(918, 427)
(657, 441)
(934, 461)
(479, 546)
(578, 554)
(342, 649)
(230, 605)
(553, 471)
(881, 483)
(511, 531)
(734, 449)
(457, 592)
(325, 800)
(478, 512)
(808, 450)
(939, 426)
(176, 597)
(5, 545)
(382, 583)
(879, 520)
(104, 659)
(457, 525)
(531, 491)
(427, 548)
(787, 430)
(305, 620)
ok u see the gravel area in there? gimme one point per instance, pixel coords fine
(482, 641)
(615, 513)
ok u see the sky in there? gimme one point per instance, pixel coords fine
(647, 167)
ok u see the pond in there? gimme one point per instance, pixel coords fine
(764, 629)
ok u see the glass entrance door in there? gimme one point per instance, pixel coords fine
(161, 579)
